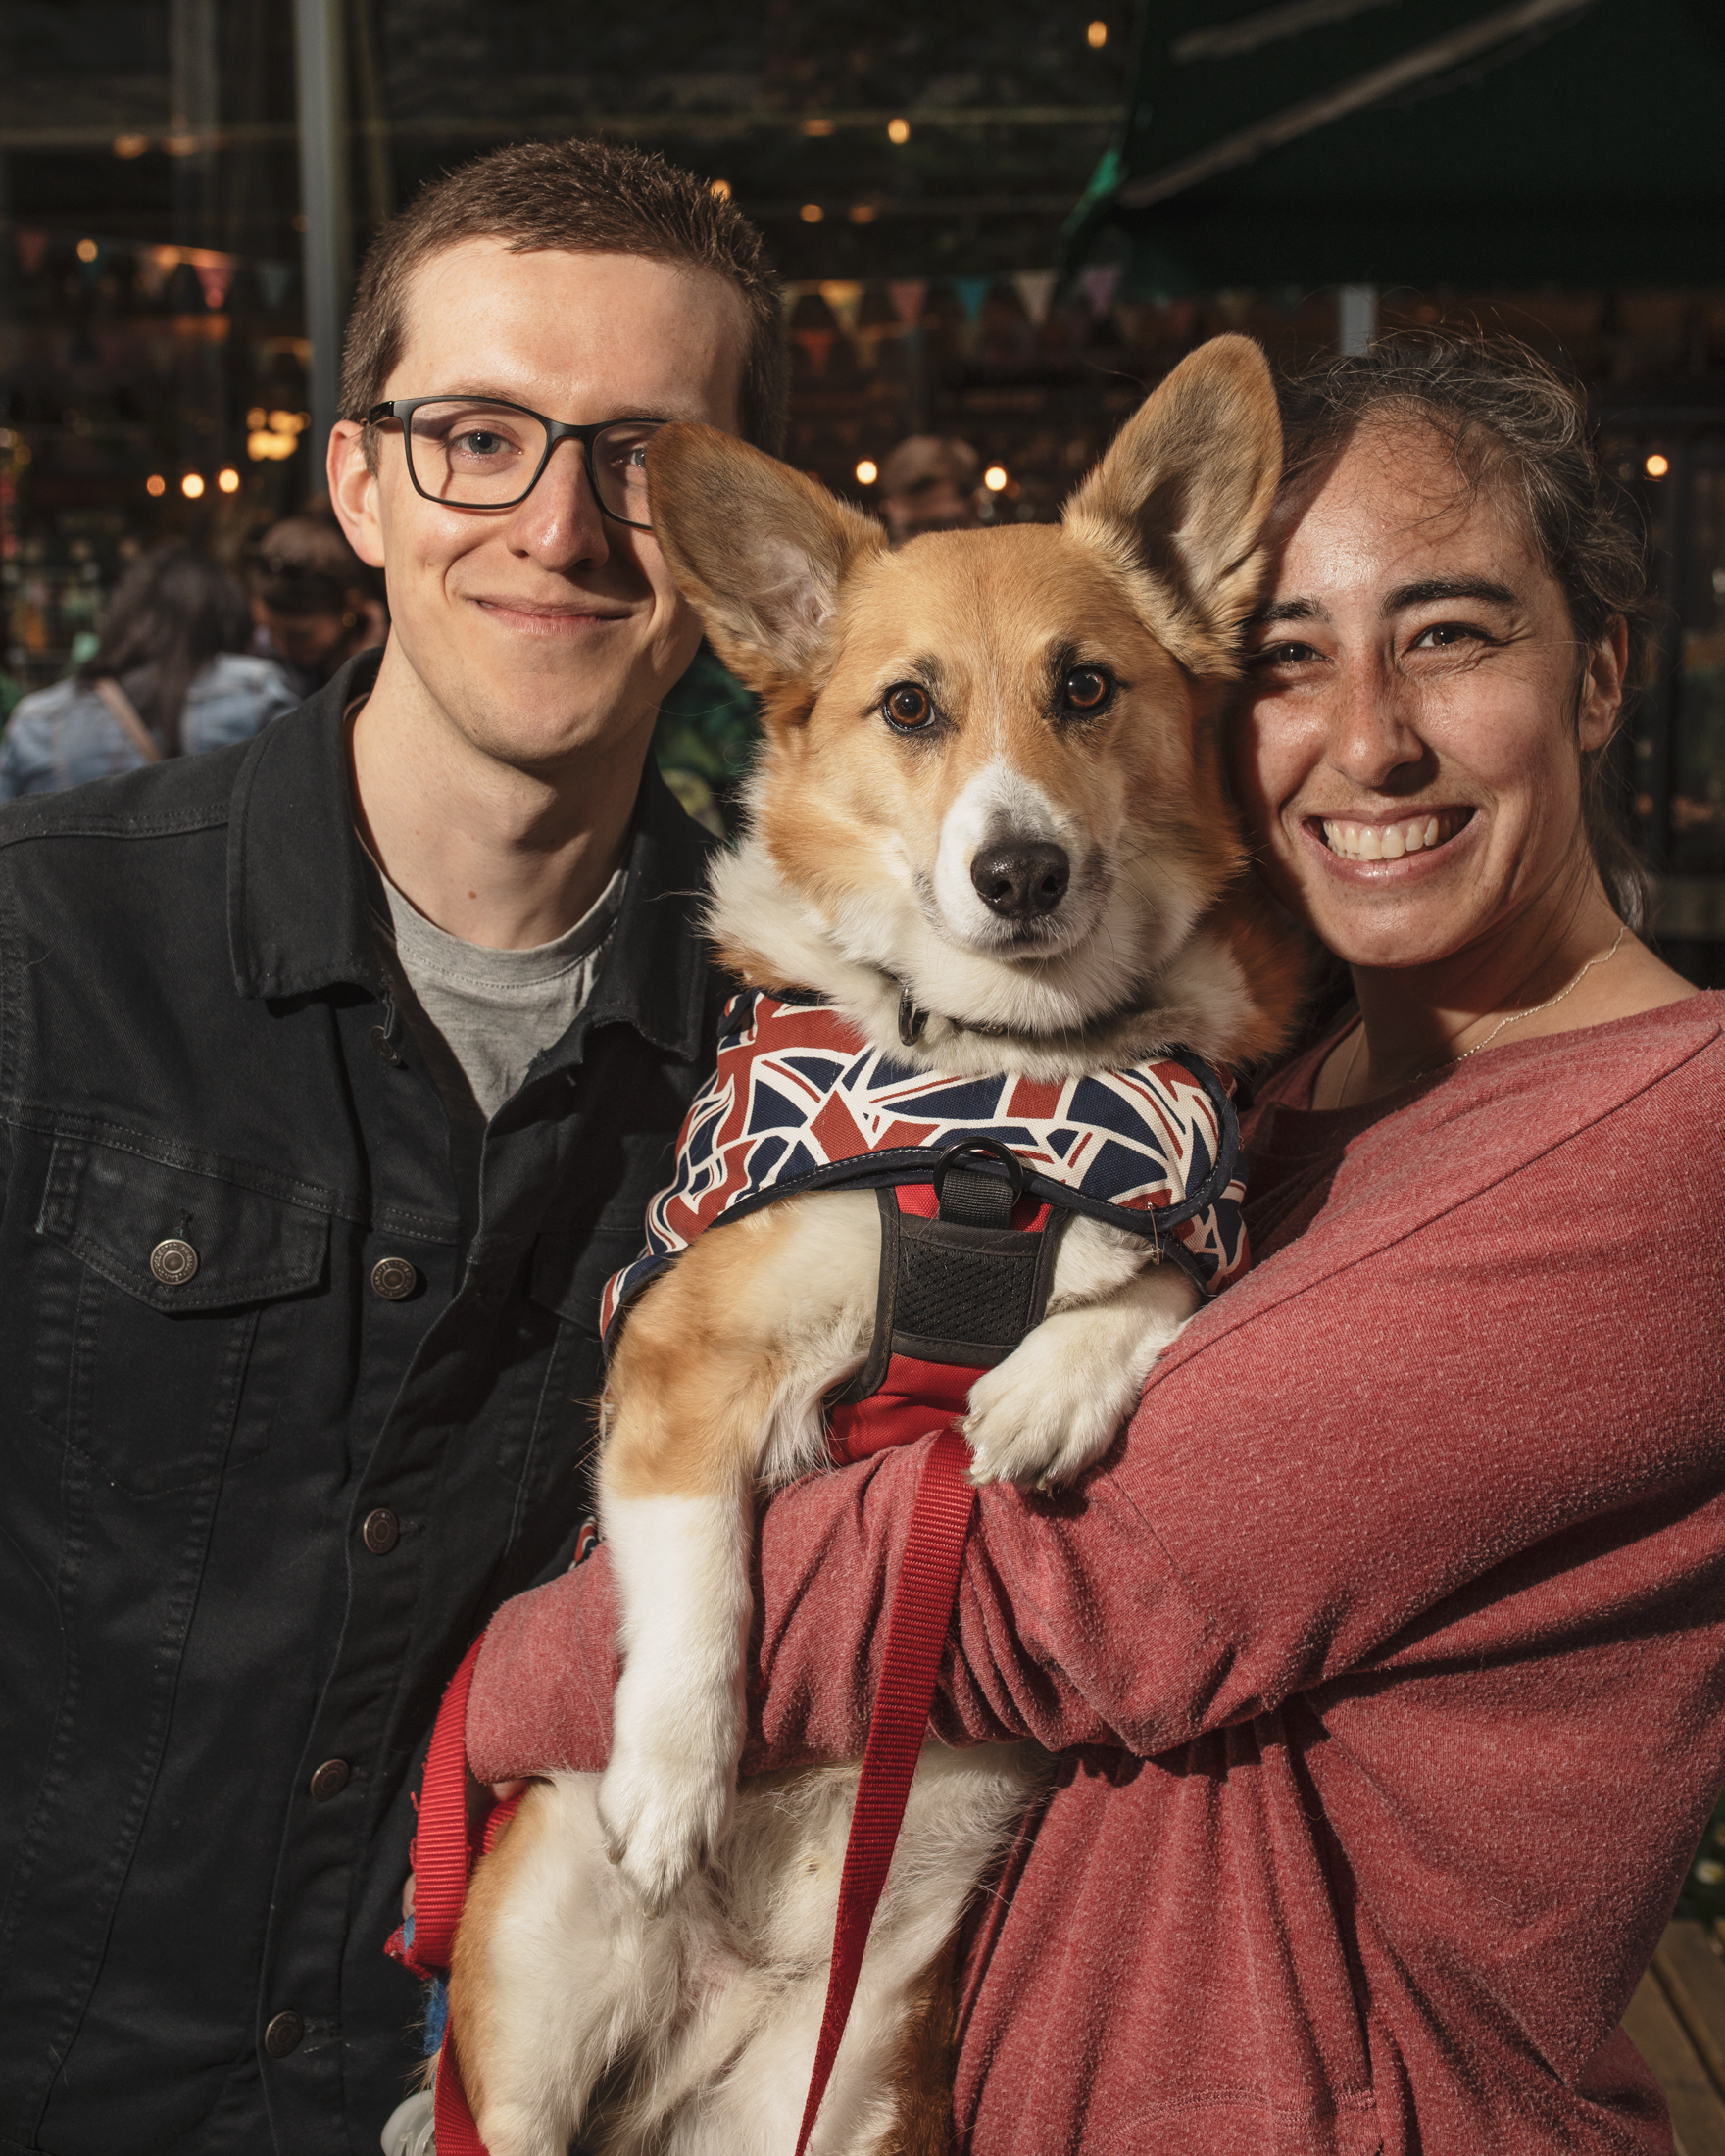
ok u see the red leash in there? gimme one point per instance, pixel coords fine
(443, 1859)
(916, 1633)
(444, 1851)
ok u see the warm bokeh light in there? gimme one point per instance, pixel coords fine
(812, 213)
(868, 472)
(1657, 466)
(284, 422)
(897, 130)
(995, 479)
(267, 444)
(88, 250)
(1097, 37)
(819, 128)
(130, 145)
(863, 213)
(192, 485)
(227, 479)
(257, 417)
(154, 484)
(719, 187)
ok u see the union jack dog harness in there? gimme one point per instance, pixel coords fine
(976, 1180)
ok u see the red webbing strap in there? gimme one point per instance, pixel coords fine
(442, 1849)
(922, 1609)
(443, 1856)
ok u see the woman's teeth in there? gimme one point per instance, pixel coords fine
(1390, 841)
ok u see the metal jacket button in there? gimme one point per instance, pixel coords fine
(284, 2034)
(391, 1277)
(380, 1531)
(173, 1261)
(330, 1780)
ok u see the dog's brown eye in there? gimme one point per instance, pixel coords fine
(906, 707)
(1086, 688)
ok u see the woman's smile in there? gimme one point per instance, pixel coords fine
(1390, 845)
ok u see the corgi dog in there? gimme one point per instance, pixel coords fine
(988, 801)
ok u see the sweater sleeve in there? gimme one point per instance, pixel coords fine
(1503, 1332)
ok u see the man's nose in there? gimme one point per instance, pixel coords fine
(561, 523)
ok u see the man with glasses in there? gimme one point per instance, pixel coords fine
(335, 1072)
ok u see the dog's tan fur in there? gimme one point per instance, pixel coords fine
(854, 880)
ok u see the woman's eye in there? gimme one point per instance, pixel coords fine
(1087, 688)
(906, 707)
(1442, 636)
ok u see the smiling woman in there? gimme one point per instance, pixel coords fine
(1438, 672)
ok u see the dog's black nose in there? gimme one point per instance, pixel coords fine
(1019, 882)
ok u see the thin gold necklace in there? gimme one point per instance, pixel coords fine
(1515, 1018)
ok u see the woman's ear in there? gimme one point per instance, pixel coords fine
(1180, 500)
(759, 550)
(1602, 688)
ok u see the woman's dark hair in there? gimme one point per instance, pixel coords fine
(1513, 424)
(169, 615)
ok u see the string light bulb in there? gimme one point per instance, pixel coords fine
(995, 479)
(1095, 35)
(1657, 466)
(868, 472)
(897, 130)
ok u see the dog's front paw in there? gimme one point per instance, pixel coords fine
(1037, 1418)
(661, 1819)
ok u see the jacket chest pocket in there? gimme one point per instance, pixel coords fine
(151, 1282)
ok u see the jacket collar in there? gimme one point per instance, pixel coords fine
(298, 881)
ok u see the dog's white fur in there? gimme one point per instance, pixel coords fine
(650, 1964)
(599, 1991)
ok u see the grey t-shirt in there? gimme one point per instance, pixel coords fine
(496, 1011)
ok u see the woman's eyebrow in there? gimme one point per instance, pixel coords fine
(1287, 610)
(1433, 590)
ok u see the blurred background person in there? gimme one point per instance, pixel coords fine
(931, 482)
(315, 602)
(173, 674)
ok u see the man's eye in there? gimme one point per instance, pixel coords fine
(479, 442)
(906, 707)
(1283, 655)
(1087, 688)
(1442, 636)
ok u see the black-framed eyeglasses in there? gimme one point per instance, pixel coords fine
(486, 452)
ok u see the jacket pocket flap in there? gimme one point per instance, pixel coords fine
(569, 1277)
(175, 1237)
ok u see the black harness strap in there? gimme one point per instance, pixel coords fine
(963, 1287)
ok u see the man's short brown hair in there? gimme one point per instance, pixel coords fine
(590, 198)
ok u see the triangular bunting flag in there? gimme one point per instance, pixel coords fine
(274, 280)
(845, 298)
(906, 297)
(816, 344)
(1036, 291)
(1099, 282)
(215, 277)
(973, 292)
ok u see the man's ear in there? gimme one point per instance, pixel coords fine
(353, 491)
(1179, 503)
(759, 550)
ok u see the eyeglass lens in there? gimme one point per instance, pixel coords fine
(470, 451)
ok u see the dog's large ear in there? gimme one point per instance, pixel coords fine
(759, 550)
(1179, 502)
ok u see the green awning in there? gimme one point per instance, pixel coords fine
(1466, 143)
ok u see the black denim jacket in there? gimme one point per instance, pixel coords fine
(254, 1510)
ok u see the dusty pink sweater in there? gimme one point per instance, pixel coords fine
(1386, 1653)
